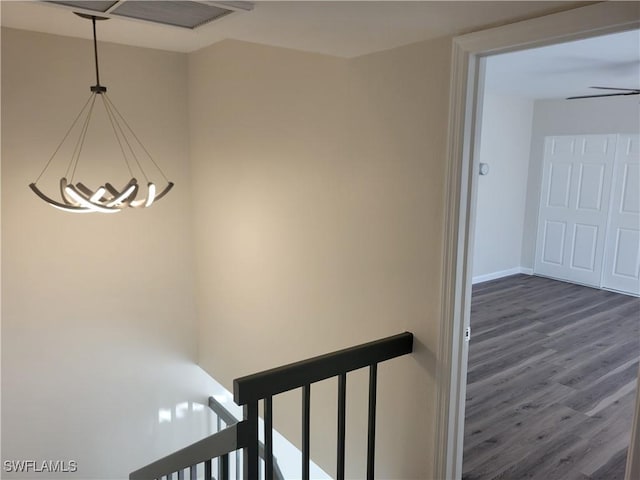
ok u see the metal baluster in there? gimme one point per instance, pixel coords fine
(223, 467)
(342, 394)
(306, 410)
(268, 438)
(208, 471)
(251, 458)
(193, 472)
(371, 443)
(180, 474)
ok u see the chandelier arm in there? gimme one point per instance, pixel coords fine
(115, 132)
(148, 201)
(54, 203)
(126, 197)
(98, 196)
(136, 138)
(75, 158)
(165, 191)
(93, 197)
(151, 194)
(63, 193)
(111, 189)
(73, 192)
(64, 138)
(114, 191)
(86, 191)
(152, 197)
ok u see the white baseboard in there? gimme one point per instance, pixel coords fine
(502, 273)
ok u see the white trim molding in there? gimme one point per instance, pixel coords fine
(501, 274)
(467, 51)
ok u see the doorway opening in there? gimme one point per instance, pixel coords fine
(470, 53)
(552, 366)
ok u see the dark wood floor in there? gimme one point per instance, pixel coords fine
(551, 381)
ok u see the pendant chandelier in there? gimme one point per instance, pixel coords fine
(79, 198)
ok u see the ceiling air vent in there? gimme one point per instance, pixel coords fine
(178, 14)
(184, 14)
(96, 6)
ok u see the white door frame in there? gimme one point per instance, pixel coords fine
(461, 175)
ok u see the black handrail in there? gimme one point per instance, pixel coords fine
(295, 375)
(249, 390)
(217, 445)
(221, 412)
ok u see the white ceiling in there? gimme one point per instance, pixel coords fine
(341, 28)
(568, 69)
(353, 28)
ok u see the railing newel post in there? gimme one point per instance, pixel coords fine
(250, 456)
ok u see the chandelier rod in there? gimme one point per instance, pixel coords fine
(97, 88)
(95, 49)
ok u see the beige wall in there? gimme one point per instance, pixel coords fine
(317, 214)
(318, 187)
(98, 316)
(505, 142)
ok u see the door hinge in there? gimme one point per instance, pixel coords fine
(467, 334)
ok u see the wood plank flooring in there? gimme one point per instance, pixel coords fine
(551, 381)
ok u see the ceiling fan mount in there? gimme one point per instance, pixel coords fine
(619, 92)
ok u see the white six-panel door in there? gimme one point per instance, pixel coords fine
(621, 270)
(574, 206)
(589, 216)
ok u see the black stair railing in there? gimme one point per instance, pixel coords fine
(225, 418)
(250, 390)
